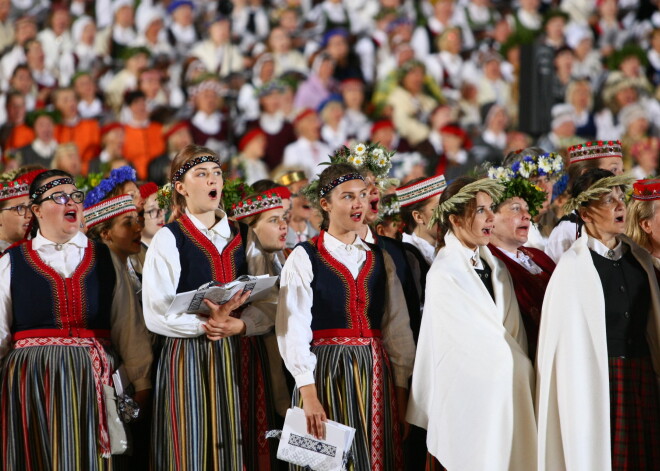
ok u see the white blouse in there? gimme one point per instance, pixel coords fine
(160, 278)
(128, 333)
(294, 313)
(426, 249)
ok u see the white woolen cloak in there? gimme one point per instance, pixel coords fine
(573, 402)
(473, 383)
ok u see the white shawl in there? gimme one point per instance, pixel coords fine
(573, 402)
(473, 383)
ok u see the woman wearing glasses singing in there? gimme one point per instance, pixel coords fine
(66, 323)
(14, 210)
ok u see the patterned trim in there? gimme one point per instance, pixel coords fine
(51, 184)
(646, 190)
(69, 294)
(357, 300)
(13, 189)
(420, 191)
(250, 206)
(223, 266)
(178, 175)
(310, 444)
(594, 150)
(338, 181)
(108, 209)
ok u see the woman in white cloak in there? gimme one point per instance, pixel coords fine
(472, 387)
(598, 354)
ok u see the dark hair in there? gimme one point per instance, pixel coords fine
(180, 159)
(588, 178)
(36, 184)
(409, 223)
(579, 168)
(517, 155)
(262, 186)
(461, 210)
(328, 175)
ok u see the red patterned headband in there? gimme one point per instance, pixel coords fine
(51, 184)
(178, 175)
(251, 206)
(338, 181)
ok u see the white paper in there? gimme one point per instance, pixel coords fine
(300, 448)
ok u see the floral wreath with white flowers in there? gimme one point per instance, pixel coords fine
(549, 164)
(372, 158)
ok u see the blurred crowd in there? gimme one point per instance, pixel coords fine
(274, 85)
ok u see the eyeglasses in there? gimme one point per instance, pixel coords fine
(59, 197)
(155, 213)
(21, 209)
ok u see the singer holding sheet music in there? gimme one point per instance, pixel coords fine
(343, 327)
(67, 315)
(197, 406)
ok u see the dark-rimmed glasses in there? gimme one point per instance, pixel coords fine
(59, 197)
(155, 213)
(21, 209)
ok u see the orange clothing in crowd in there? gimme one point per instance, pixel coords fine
(20, 136)
(86, 135)
(142, 145)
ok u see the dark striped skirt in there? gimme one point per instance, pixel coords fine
(634, 415)
(49, 409)
(196, 416)
(354, 383)
(257, 411)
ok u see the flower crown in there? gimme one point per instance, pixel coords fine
(367, 157)
(549, 164)
(389, 208)
(117, 177)
(522, 188)
(234, 191)
(164, 196)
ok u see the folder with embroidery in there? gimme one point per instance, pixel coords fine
(302, 449)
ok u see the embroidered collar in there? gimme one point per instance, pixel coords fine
(79, 240)
(597, 246)
(221, 227)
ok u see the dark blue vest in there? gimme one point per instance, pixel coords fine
(344, 306)
(42, 299)
(200, 260)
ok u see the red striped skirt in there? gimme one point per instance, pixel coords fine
(634, 415)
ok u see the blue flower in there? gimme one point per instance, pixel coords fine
(117, 177)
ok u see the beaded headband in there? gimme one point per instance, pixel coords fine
(594, 150)
(108, 209)
(338, 181)
(178, 175)
(13, 189)
(51, 184)
(259, 204)
(420, 191)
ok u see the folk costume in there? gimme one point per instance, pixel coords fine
(335, 329)
(68, 319)
(566, 232)
(598, 358)
(473, 382)
(197, 402)
(16, 188)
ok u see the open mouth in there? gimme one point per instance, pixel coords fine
(213, 194)
(283, 238)
(306, 206)
(357, 217)
(137, 240)
(71, 216)
(487, 231)
(374, 205)
(525, 228)
(619, 219)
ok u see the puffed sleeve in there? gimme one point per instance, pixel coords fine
(5, 305)
(397, 335)
(129, 334)
(160, 277)
(293, 324)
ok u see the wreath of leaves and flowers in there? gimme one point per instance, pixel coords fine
(522, 188)
(117, 177)
(164, 196)
(86, 183)
(234, 191)
(372, 158)
(549, 164)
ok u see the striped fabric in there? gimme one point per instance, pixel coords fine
(197, 423)
(634, 414)
(354, 384)
(48, 409)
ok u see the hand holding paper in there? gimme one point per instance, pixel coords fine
(220, 323)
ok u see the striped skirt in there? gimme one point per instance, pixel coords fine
(257, 411)
(354, 384)
(634, 415)
(49, 414)
(196, 417)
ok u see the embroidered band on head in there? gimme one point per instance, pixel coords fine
(13, 189)
(178, 175)
(108, 209)
(594, 150)
(259, 204)
(338, 181)
(51, 184)
(646, 190)
(421, 191)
